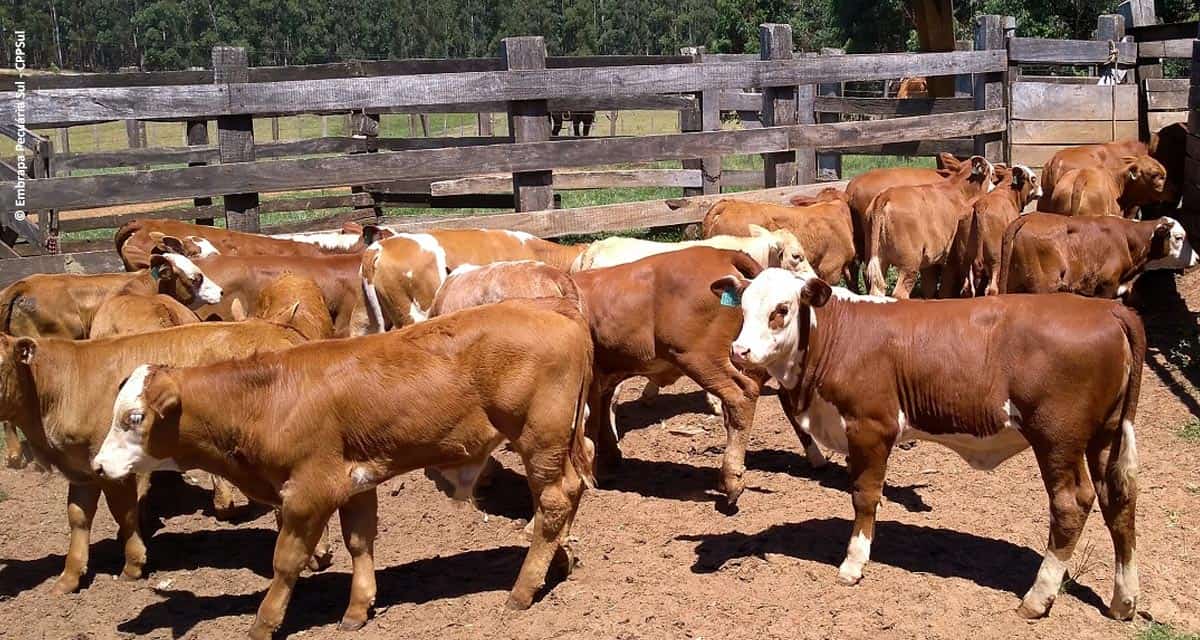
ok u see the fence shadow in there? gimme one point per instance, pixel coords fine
(319, 599)
(1172, 334)
(990, 563)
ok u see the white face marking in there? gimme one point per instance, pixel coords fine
(1180, 254)
(777, 349)
(1033, 179)
(205, 247)
(329, 240)
(123, 450)
(208, 292)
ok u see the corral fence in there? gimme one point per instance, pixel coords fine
(793, 109)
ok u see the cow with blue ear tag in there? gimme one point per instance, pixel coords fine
(985, 377)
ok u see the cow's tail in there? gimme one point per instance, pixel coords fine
(8, 299)
(583, 450)
(1006, 250)
(877, 219)
(1121, 474)
(367, 273)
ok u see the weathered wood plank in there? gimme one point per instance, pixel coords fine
(278, 205)
(235, 139)
(1045, 51)
(988, 88)
(892, 106)
(778, 105)
(1046, 101)
(283, 175)
(1158, 119)
(961, 147)
(574, 180)
(1167, 100)
(1035, 155)
(1070, 132)
(528, 121)
(91, 262)
(1167, 84)
(1181, 48)
(65, 106)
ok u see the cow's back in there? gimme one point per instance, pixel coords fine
(496, 282)
(56, 305)
(1106, 156)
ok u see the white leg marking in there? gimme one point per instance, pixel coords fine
(856, 557)
(1049, 579)
(714, 403)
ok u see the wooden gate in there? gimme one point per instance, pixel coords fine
(1047, 117)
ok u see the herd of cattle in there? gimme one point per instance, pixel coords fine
(306, 370)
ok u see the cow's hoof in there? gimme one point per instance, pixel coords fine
(320, 561)
(15, 462)
(1033, 611)
(1122, 610)
(261, 630)
(848, 577)
(129, 574)
(350, 624)
(518, 603)
(65, 585)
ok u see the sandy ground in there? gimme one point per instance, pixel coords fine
(954, 551)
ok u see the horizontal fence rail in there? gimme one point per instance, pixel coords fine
(56, 107)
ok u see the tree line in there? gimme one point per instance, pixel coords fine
(104, 35)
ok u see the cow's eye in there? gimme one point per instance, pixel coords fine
(134, 418)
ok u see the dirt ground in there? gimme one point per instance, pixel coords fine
(954, 551)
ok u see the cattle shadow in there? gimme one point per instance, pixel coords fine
(19, 576)
(170, 496)
(1171, 332)
(320, 599)
(831, 476)
(635, 414)
(988, 562)
(505, 494)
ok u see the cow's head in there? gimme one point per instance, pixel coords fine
(1146, 178)
(145, 425)
(189, 246)
(777, 314)
(786, 251)
(180, 278)
(1026, 183)
(16, 354)
(979, 173)
(1169, 246)
(948, 164)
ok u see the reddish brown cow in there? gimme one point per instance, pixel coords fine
(137, 240)
(470, 286)
(1091, 256)
(986, 377)
(913, 228)
(975, 260)
(357, 413)
(822, 226)
(1098, 191)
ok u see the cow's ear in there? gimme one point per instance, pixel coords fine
(979, 166)
(815, 292)
(24, 349)
(173, 245)
(729, 290)
(161, 394)
(353, 228)
(160, 267)
(156, 236)
(1018, 179)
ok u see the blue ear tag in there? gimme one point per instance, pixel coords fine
(154, 275)
(730, 298)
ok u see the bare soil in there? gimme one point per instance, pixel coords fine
(954, 551)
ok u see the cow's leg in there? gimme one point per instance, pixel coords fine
(81, 509)
(929, 281)
(1071, 496)
(14, 453)
(224, 498)
(869, 445)
(853, 272)
(556, 497)
(905, 281)
(322, 556)
(359, 520)
(602, 426)
(739, 396)
(122, 499)
(301, 526)
(1116, 487)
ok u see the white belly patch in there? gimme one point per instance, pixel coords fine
(825, 424)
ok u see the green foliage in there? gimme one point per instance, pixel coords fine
(1158, 631)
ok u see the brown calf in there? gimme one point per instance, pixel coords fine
(986, 377)
(822, 225)
(977, 245)
(346, 434)
(1091, 256)
(471, 286)
(1098, 191)
(136, 242)
(913, 228)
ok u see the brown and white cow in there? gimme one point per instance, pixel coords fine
(357, 413)
(1098, 191)
(657, 318)
(913, 229)
(769, 248)
(1091, 256)
(136, 242)
(470, 286)
(862, 189)
(821, 224)
(243, 278)
(975, 260)
(401, 272)
(66, 306)
(986, 377)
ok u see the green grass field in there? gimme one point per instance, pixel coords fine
(112, 136)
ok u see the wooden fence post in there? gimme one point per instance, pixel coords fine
(366, 126)
(485, 125)
(829, 163)
(989, 87)
(1139, 13)
(1111, 26)
(528, 121)
(235, 138)
(704, 116)
(779, 105)
(197, 136)
(135, 131)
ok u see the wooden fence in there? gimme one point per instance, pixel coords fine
(791, 105)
